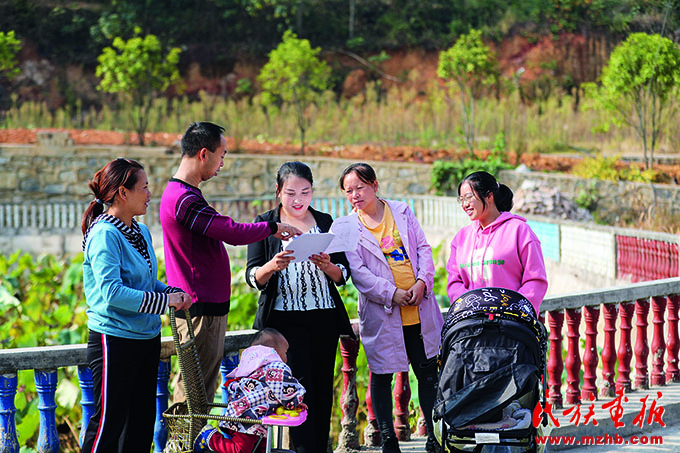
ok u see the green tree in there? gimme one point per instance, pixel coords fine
(294, 75)
(137, 70)
(640, 78)
(470, 65)
(9, 47)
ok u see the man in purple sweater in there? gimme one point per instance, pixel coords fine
(195, 257)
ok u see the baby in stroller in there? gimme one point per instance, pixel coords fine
(492, 364)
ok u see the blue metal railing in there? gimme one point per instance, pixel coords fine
(45, 361)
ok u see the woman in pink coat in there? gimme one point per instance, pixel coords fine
(400, 320)
(498, 248)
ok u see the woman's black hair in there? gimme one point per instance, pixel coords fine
(363, 171)
(294, 168)
(118, 173)
(483, 183)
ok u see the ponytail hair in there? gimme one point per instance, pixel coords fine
(483, 184)
(105, 184)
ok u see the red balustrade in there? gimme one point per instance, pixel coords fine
(573, 362)
(635, 259)
(664, 251)
(349, 400)
(645, 259)
(621, 252)
(610, 313)
(624, 352)
(590, 357)
(664, 309)
(653, 260)
(641, 345)
(649, 261)
(372, 432)
(555, 365)
(672, 340)
(402, 396)
(658, 343)
(623, 260)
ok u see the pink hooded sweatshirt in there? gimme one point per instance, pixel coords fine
(505, 254)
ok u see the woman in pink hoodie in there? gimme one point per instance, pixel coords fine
(498, 249)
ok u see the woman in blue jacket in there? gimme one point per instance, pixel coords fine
(125, 301)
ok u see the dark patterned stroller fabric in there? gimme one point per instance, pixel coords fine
(493, 353)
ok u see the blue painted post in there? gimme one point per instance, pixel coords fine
(46, 385)
(229, 364)
(8, 430)
(160, 432)
(86, 398)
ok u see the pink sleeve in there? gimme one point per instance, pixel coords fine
(193, 212)
(455, 286)
(534, 280)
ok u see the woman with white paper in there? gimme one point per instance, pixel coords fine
(299, 298)
(400, 320)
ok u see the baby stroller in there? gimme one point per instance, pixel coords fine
(492, 370)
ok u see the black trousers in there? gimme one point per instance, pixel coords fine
(124, 374)
(426, 372)
(313, 342)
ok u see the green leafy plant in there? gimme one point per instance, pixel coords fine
(137, 69)
(472, 65)
(446, 175)
(244, 86)
(41, 301)
(638, 82)
(243, 302)
(9, 48)
(588, 197)
(294, 75)
(612, 169)
(42, 304)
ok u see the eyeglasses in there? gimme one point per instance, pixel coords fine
(467, 198)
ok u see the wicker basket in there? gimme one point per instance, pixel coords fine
(186, 419)
(182, 429)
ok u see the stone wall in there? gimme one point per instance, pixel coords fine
(61, 172)
(56, 170)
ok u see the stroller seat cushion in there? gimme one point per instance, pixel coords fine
(514, 417)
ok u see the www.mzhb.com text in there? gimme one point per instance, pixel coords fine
(605, 439)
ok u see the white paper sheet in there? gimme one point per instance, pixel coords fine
(346, 238)
(309, 244)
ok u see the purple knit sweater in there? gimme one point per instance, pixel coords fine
(195, 257)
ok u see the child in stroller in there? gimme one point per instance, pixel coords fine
(492, 364)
